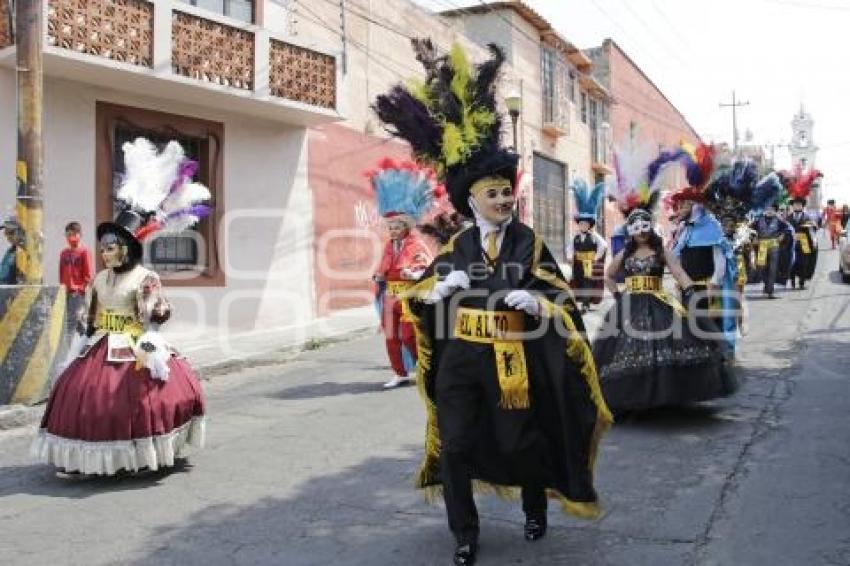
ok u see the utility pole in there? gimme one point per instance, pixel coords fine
(343, 35)
(30, 163)
(734, 105)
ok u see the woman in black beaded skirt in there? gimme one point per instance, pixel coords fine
(649, 352)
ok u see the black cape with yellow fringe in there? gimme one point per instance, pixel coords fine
(567, 408)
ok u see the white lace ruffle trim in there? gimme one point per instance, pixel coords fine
(107, 458)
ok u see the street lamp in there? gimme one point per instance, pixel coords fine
(514, 103)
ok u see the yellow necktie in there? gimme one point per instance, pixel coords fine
(492, 250)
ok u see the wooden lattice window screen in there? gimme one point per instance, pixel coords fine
(301, 74)
(212, 52)
(120, 30)
(5, 25)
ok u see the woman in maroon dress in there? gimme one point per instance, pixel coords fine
(127, 401)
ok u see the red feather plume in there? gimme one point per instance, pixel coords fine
(704, 156)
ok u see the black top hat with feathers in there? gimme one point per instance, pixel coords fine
(450, 119)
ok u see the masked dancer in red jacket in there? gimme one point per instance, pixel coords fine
(404, 192)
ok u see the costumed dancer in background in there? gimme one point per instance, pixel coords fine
(728, 195)
(805, 227)
(701, 247)
(629, 163)
(127, 401)
(587, 250)
(505, 408)
(774, 234)
(832, 222)
(674, 221)
(404, 192)
(647, 352)
(738, 236)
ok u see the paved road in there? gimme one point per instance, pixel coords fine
(310, 463)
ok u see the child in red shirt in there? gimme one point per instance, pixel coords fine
(75, 273)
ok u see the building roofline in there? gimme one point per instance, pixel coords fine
(532, 16)
(610, 42)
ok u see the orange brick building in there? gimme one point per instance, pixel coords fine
(639, 111)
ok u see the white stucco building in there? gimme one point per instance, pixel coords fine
(238, 91)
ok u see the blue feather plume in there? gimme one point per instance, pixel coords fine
(766, 192)
(403, 191)
(742, 179)
(587, 200)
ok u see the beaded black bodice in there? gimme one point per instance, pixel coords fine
(651, 265)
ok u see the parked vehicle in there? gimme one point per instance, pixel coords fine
(844, 254)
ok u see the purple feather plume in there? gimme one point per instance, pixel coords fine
(199, 210)
(664, 158)
(187, 170)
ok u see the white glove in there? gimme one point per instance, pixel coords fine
(454, 280)
(411, 275)
(523, 301)
(153, 352)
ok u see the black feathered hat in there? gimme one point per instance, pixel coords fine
(451, 119)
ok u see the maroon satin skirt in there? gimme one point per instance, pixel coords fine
(103, 416)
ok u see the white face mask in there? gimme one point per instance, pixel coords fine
(639, 226)
(493, 204)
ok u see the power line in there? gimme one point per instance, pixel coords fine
(683, 42)
(654, 36)
(799, 4)
(647, 52)
(363, 48)
(370, 18)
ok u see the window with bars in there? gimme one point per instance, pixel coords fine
(584, 107)
(550, 203)
(242, 10)
(189, 258)
(165, 253)
(549, 91)
(571, 85)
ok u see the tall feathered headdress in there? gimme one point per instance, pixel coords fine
(450, 119)
(730, 191)
(766, 192)
(158, 187)
(404, 189)
(699, 166)
(633, 188)
(588, 200)
(799, 184)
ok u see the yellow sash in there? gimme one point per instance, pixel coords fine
(643, 284)
(586, 259)
(398, 288)
(765, 245)
(502, 329)
(651, 285)
(715, 305)
(742, 271)
(119, 322)
(804, 242)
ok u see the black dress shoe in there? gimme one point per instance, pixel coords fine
(465, 554)
(535, 528)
